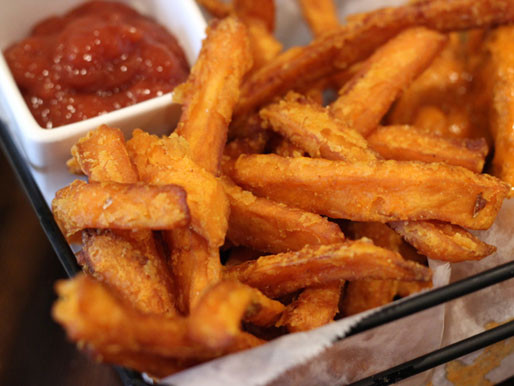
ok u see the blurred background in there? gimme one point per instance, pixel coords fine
(33, 349)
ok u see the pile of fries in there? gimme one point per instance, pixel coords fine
(271, 209)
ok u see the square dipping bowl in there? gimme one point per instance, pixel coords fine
(47, 150)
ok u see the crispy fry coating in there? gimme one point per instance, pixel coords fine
(272, 227)
(277, 275)
(285, 148)
(212, 90)
(254, 144)
(115, 257)
(442, 241)
(436, 101)
(501, 46)
(406, 143)
(113, 331)
(195, 265)
(195, 255)
(263, 44)
(163, 161)
(313, 308)
(263, 10)
(383, 76)
(313, 129)
(224, 306)
(382, 191)
(362, 295)
(74, 167)
(119, 206)
(102, 156)
(130, 263)
(356, 41)
(321, 15)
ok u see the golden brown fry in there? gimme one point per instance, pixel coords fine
(163, 161)
(284, 148)
(74, 167)
(383, 76)
(263, 44)
(113, 331)
(216, 318)
(442, 241)
(433, 100)
(195, 265)
(407, 288)
(90, 313)
(263, 10)
(254, 144)
(407, 143)
(133, 255)
(313, 129)
(119, 206)
(272, 227)
(381, 191)
(277, 275)
(212, 90)
(195, 255)
(313, 308)
(362, 295)
(356, 41)
(321, 15)
(216, 8)
(500, 47)
(130, 263)
(102, 156)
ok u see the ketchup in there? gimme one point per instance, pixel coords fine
(97, 58)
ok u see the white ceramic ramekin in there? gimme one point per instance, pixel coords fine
(48, 149)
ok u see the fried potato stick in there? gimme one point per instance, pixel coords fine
(103, 157)
(120, 257)
(381, 191)
(433, 100)
(163, 161)
(195, 255)
(285, 148)
(407, 143)
(263, 10)
(311, 127)
(362, 295)
(272, 227)
(442, 241)
(500, 46)
(253, 144)
(119, 206)
(383, 76)
(224, 306)
(113, 331)
(356, 41)
(278, 275)
(195, 265)
(313, 308)
(212, 90)
(321, 16)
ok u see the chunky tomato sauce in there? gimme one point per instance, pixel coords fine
(99, 57)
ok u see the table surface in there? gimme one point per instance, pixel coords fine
(33, 348)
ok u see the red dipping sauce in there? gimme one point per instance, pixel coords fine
(97, 58)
